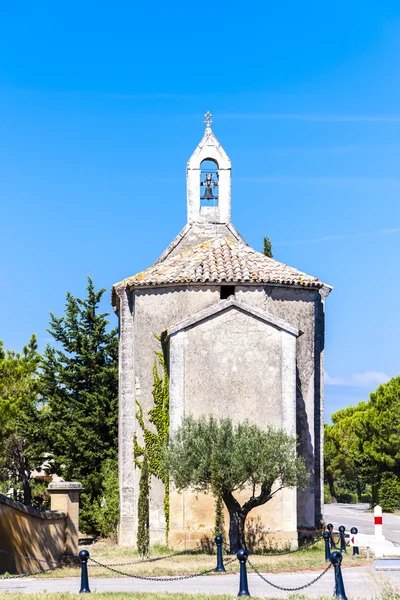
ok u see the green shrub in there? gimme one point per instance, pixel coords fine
(106, 510)
(40, 495)
(327, 495)
(389, 492)
(346, 495)
(367, 494)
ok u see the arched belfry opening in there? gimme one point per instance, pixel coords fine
(208, 176)
(209, 182)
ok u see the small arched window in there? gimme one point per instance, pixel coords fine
(209, 182)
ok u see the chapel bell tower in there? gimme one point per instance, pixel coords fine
(208, 176)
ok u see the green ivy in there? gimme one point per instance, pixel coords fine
(156, 441)
(143, 539)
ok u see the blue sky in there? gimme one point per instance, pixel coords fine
(101, 105)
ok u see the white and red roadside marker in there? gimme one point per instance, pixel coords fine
(376, 542)
(378, 521)
(379, 539)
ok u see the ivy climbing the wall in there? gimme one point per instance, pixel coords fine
(143, 532)
(155, 440)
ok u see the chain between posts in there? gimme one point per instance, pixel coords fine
(154, 559)
(32, 573)
(60, 565)
(283, 589)
(40, 560)
(163, 579)
(300, 549)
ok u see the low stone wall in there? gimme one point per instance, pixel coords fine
(26, 531)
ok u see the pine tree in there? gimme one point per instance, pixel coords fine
(268, 247)
(143, 533)
(79, 388)
(19, 419)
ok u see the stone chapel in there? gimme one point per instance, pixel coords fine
(244, 337)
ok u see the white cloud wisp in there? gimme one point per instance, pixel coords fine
(368, 379)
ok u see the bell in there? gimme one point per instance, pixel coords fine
(208, 194)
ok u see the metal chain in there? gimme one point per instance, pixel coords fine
(49, 562)
(154, 559)
(283, 589)
(164, 579)
(59, 565)
(311, 531)
(300, 549)
(31, 574)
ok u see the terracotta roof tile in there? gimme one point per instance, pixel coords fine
(221, 260)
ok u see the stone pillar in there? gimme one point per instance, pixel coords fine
(289, 495)
(319, 399)
(126, 422)
(65, 498)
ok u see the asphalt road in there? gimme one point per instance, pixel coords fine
(360, 582)
(357, 515)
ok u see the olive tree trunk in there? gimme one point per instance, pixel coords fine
(238, 514)
(236, 531)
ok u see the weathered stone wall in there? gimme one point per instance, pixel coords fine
(150, 311)
(304, 309)
(26, 531)
(233, 364)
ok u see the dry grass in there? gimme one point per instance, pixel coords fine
(108, 553)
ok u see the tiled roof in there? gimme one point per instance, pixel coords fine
(220, 260)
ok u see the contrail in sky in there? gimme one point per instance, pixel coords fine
(341, 236)
(313, 117)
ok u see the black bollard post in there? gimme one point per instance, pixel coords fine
(327, 537)
(329, 527)
(354, 531)
(242, 555)
(336, 559)
(83, 557)
(343, 548)
(220, 563)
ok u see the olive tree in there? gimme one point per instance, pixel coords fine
(210, 455)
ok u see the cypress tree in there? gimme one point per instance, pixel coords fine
(79, 388)
(143, 533)
(268, 247)
(219, 517)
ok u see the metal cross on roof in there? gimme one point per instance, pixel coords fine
(208, 120)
